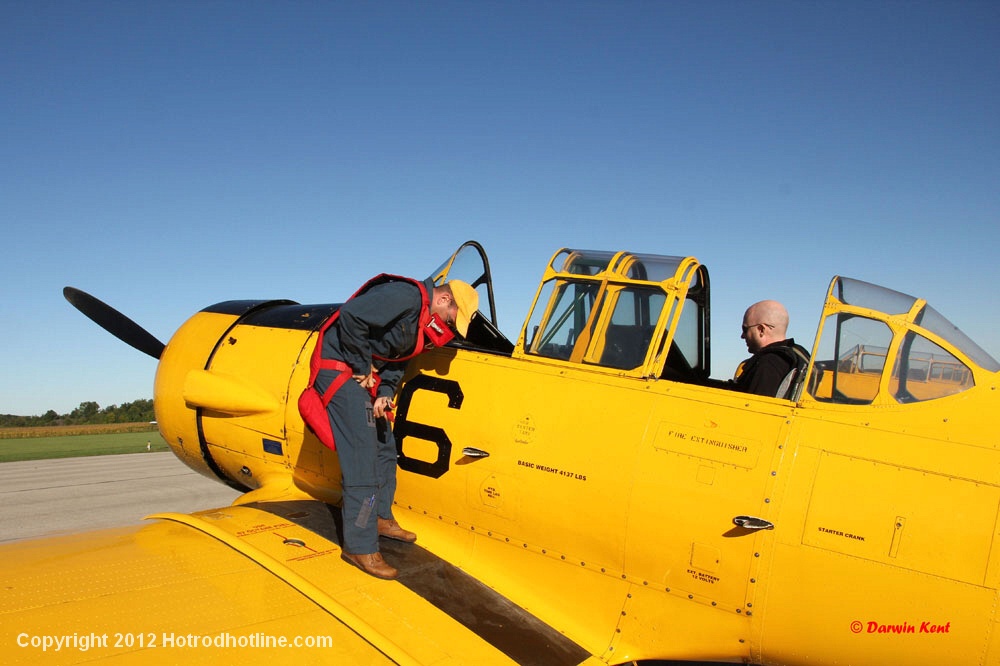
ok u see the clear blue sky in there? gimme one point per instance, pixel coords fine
(165, 156)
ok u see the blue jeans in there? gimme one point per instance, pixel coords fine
(367, 463)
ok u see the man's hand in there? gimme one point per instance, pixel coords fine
(366, 381)
(381, 406)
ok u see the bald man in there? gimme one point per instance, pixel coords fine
(764, 326)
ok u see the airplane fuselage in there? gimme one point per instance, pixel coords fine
(594, 475)
(605, 503)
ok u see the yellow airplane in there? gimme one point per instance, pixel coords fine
(586, 494)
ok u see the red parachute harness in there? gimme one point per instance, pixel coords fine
(431, 332)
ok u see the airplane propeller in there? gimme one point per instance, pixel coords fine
(114, 322)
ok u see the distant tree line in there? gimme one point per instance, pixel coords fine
(88, 413)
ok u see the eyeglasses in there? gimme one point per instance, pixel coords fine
(748, 327)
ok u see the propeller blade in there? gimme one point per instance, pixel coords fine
(114, 322)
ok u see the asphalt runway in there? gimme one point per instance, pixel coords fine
(65, 495)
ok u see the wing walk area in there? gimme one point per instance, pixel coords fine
(501, 623)
(267, 569)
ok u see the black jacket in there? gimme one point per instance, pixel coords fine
(762, 373)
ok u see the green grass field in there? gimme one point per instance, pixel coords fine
(71, 446)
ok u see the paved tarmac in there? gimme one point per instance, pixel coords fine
(65, 495)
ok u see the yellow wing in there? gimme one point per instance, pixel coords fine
(252, 583)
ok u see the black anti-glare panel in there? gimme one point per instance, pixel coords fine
(276, 314)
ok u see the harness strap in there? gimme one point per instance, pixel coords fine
(313, 405)
(317, 362)
(344, 373)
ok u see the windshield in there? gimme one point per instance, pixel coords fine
(863, 294)
(469, 264)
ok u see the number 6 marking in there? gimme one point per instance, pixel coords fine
(405, 428)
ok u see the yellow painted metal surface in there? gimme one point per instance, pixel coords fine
(888, 535)
(604, 513)
(189, 348)
(899, 499)
(598, 479)
(245, 414)
(234, 584)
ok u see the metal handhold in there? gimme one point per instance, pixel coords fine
(752, 523)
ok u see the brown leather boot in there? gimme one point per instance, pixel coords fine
(371, 563)
(390, 529)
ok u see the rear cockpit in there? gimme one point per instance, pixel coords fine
(878, 346)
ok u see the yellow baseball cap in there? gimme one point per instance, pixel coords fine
(467, 300)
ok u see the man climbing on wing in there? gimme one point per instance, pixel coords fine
(357, 367)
